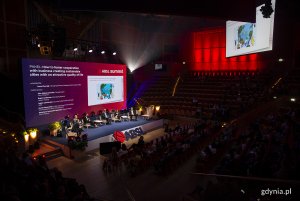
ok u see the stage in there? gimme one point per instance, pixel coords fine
(104, 133)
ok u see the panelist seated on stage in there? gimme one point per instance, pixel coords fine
(87, 122)
(132, 114)
(123, 112)
(77, 125)
(94, 119)
(116, 116)
(106, 116)
(85, 118)
(67, 124)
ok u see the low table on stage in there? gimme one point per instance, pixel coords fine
(146, 116)
(124, 118)
(87, 125)
(99, 122)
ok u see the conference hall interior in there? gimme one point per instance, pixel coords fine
(149, 100)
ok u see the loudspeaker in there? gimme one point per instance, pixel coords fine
(106, 147)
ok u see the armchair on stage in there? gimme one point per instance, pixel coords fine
(116, 116)
(106, 116)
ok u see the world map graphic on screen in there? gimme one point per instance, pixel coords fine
(245, 36)
(106, 91)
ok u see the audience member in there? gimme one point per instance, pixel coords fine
(141, 141)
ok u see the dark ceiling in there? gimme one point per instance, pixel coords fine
(239, 10)
(242, 10)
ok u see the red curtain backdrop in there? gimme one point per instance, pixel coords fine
(209, 48)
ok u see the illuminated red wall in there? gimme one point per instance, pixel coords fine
(209, 53)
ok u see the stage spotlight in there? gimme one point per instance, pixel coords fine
(39, 45)
(267, 9)
(102, 52)
(280, 59)
(293, 99)
(183, 62)
(114, 53)
(131, 68)
(75, 49)
(90, 51)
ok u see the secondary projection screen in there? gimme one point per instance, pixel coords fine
(54, 89)
(246, 38)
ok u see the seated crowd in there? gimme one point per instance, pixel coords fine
(164, 153)
(26, 178)
(267, 148)
(215, 147)
(264, 155)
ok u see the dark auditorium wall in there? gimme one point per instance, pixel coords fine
(12, 48)
(12, 35)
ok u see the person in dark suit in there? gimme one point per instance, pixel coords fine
(92, 118)
(132, 114)
(85, 118)
(88, 120)
(67, 124)
(106, 115)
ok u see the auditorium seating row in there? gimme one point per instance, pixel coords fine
(236, 93)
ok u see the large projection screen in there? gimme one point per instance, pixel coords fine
(54, 89)
(247, 38)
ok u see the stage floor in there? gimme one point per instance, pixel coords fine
(104, 130)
